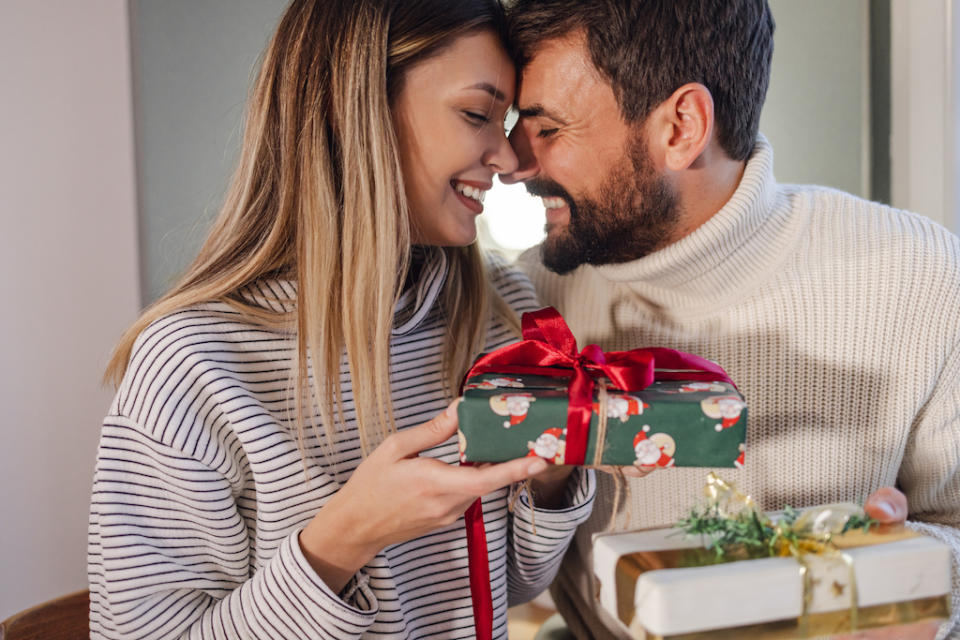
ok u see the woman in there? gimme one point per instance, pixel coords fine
(247, 483)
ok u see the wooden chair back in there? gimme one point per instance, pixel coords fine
(65, 618)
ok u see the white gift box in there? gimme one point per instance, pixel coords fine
(898, 582)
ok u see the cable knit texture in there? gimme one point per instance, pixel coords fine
(838, 318)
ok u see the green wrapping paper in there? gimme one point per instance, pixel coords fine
(669, 423)
(542, 396)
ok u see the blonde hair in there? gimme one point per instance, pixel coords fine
(318, 198)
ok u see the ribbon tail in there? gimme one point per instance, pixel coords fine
(579, 412)
(479, 565)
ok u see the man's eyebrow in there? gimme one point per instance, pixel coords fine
(539, 111)
(489, 88)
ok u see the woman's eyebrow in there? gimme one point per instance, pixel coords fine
(489, 88)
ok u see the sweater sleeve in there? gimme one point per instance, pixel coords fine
(540, 537)
(930, 473)
(169, 556)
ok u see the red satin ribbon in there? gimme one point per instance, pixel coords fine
(549, 348)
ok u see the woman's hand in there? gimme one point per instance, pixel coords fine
(394, 496)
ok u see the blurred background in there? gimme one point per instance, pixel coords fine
(120, 122)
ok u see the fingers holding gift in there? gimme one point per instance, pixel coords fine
(396, 495)
(484, 479)
(409, 443)
(402, 495)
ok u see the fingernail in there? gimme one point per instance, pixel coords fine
(537, 466)
(452, 409)
(884, 507)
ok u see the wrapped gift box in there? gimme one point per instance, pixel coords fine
(684, 423)
(542, 396)
(659, 584)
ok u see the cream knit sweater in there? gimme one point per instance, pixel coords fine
(838, 318)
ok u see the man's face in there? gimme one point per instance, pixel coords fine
(605, 200)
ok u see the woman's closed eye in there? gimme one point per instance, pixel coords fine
(479, 119)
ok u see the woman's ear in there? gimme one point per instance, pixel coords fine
(682, 125)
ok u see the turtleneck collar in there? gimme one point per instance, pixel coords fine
(731, 251)
(429, 266)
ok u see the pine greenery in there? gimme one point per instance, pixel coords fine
(752, 534)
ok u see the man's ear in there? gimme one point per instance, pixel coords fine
(682, 126)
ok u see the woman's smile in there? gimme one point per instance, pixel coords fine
(471, 194)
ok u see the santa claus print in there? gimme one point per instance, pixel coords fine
(496, 383)
(738, 463)
(622, 406)
(726, 409)
(550, 445)
(693, 387)
(653, 449)
(462, 442)
(513, 406)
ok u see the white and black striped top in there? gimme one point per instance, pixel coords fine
(200, 491)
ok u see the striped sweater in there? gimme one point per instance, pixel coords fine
(200, 491)
(838, 318)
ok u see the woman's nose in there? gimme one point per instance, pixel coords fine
(527, 166)
(501, 158)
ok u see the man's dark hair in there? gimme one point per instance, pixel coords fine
(647, 49)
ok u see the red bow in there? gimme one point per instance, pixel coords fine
(549, 348)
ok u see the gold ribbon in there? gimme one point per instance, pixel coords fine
(815, 532)
(725, 497)
(811, 533)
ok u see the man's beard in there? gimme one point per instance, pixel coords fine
(634, 214)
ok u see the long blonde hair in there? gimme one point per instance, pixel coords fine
(318, 198)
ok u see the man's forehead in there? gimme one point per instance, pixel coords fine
(559, 70)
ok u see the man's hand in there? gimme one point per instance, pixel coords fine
(887, 505)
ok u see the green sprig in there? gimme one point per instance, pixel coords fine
(751, 533)
(859, 521)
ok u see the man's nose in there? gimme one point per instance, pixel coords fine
(527, 165)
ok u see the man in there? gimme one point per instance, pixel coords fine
(838, 318)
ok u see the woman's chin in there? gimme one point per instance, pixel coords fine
(451, 238)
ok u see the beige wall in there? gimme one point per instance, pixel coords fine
(68, 275)
(924, 112)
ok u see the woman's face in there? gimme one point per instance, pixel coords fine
(449, 120)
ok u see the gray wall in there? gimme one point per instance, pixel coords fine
(194, 62)
(816, 114)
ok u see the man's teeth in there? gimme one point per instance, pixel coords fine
(471, 192)
(553, 203)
